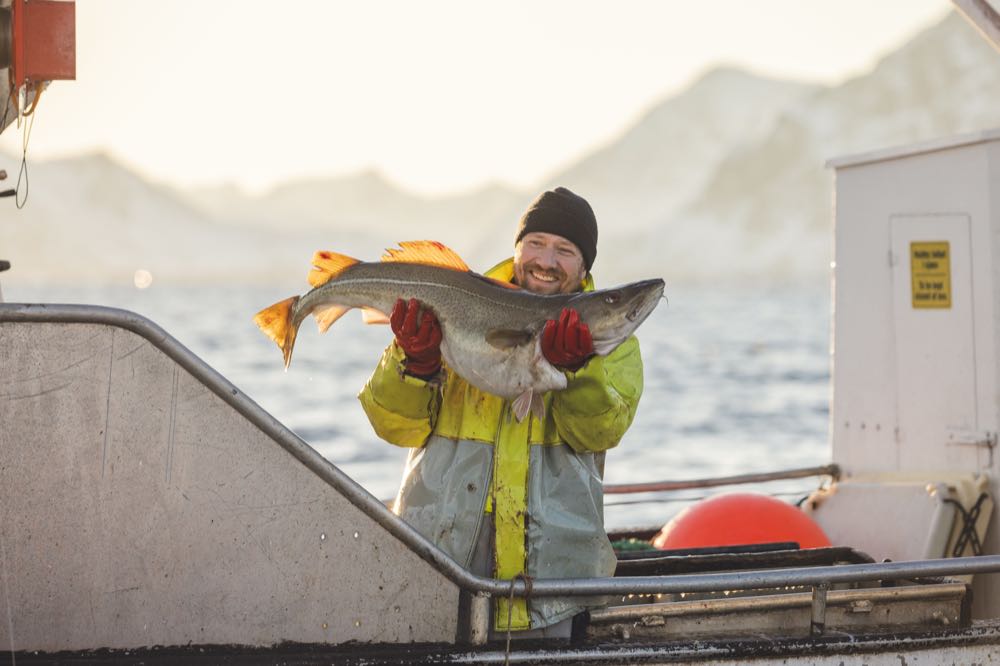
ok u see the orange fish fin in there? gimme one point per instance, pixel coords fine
(425, 252)
(276, 323)
(328, 265)
(373, 316)
(326, 316)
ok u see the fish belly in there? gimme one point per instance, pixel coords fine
(505, 373)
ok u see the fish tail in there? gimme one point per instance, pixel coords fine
(328, 265)
(276, 323)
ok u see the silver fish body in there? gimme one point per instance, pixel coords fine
(491, 334)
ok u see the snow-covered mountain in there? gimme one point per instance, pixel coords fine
(767, 208)
(669, 154)
(724, 180)
(89, 219)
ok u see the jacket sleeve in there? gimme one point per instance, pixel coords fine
(402, 409)
(598, 404)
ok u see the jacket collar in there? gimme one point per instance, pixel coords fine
(505, 271)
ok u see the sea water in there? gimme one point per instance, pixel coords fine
(736, 381)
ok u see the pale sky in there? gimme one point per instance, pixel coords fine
(437, 95)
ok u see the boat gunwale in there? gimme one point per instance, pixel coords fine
(423, 548)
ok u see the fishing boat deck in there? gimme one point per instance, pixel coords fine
(247, 546)
(977, 643)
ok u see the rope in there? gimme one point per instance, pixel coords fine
(528, 584)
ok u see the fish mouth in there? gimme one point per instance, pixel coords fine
(651, 291)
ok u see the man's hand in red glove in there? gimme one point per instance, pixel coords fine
(567, 343)
(418, 333)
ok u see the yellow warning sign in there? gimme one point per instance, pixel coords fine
(930, 274)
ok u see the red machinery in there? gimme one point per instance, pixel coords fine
(37, 45)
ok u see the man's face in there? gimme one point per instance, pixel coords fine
(548, 264)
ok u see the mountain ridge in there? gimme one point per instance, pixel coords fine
(724, 180)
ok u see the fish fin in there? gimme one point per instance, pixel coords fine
(605, 348)
(328, 265)
(538, 406)
(326, 316)
(522, 404)
(505, 338)
(373, 316)
(276, 323)
(431, 253)
(529, 401)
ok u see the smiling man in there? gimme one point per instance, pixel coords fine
(503, 497)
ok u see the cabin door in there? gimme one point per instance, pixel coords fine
(934, 343)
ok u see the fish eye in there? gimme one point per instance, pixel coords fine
(612, 298)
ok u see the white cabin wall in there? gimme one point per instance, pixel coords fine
(864, 393)
(947, 185)
(986, 601)
(990, 392)
(925, 192)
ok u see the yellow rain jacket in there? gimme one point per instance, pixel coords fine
(540, 479)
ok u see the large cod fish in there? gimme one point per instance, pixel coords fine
(491, 330)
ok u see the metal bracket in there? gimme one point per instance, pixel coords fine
(474, 617)
(817, 624)
(980, 438)
(983, 439)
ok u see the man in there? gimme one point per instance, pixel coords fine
(503, 497)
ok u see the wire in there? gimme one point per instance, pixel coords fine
(26, 137)
(23, 171)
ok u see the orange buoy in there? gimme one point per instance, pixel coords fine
(735, 519)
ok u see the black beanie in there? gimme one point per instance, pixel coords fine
(565, 214)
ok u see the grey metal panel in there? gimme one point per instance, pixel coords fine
(138, 508)
(867, 610)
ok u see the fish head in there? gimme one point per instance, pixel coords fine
(613, 314)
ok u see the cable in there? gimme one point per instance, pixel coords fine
(23, 171)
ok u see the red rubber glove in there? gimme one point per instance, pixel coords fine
(567, 343)
(418, 333)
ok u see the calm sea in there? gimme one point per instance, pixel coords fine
(736, 381)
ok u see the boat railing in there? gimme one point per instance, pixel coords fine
(831, 470)
(477, 590)
(667, 491)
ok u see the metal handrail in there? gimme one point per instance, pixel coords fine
(794, 577)
(423, 548)
(831, 470)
